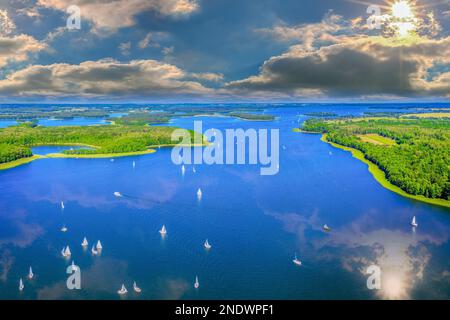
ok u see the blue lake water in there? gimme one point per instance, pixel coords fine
(254, 223)
(62, 122)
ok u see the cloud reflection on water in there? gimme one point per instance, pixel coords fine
(403, 256)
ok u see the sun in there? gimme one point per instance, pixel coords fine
(402, 10)
(403, 19)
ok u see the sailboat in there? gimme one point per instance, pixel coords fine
(134, 164)
(136, 288)
(67, 252)
(99, 245)
(118, 194)
(199, 193)
(64, 229)
(163, 230)
(122, 290)
(414, 222)
(85, 242)
(94, 251)
(326, 228)
(296, 261)
(30, 274)
(74, 267)
(183, 170)
(193, 170)
(196, 284)
(207, 245)
(62, 205)
(21, 286)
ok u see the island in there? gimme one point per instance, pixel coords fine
(98, 141)
(407, 155)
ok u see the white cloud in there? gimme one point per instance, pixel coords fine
(114, 14)
(124, 48)
(17, 48)
(7, 26)
(107, 77)
(208, 76)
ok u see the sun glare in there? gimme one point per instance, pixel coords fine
(403, 18)
(402, 10)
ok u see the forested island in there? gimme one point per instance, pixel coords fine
(412, 154)
(103, 141)
(129, 114)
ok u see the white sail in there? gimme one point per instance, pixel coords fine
(64, 229)
(21, 286)
(118, 194)
(85, 242)
(199, 193)
(196, 284)
(183, 170)
(414, 222)
(94, 251)
(163, 230)
(326, 227)
(74, 267)
(63, 251)
(136, 288)
(122, 290)
(207, 245)
(99, 245)
(67, 251)
(62, 205)
(193, 169)
(30, 274)
(134, 164)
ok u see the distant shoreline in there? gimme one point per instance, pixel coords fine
(379, 174)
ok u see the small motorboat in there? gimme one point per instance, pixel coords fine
(296, 261)
(207, 245)
(64, 229)
(122, 290)
(326, 228)
(118, 194)
(196, 284)
(136, 288)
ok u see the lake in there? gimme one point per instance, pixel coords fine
(255, 224)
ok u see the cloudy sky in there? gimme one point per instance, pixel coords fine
(224, 50)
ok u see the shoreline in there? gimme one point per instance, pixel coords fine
(380, 176)
(19, 162)
(151, 149)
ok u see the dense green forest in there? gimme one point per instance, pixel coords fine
(15, 142)
(418, 162)
(143, 118)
